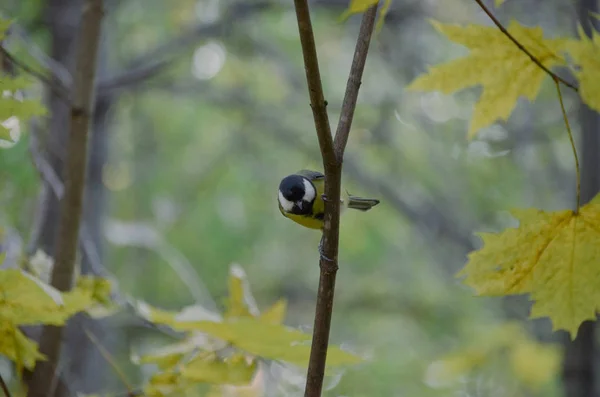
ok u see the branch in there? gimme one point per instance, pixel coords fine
(354, 81)
(146, 65)
(522, 48)
(53, 84)
(141, 68)
(332, 163)
(4, 387)
(72, 203)
(315, 88)
(51, 67)
(53, 180)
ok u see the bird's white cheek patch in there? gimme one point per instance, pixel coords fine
(285, 203)
(309, 191)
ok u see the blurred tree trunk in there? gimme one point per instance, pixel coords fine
(83, 368)
(86, 368)
(579, 367)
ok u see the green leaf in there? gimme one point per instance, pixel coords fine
(240, 297)
(275, 314)
(16, 347)
(272, 341)
(26, 300)
(357, 6)
(233, 370)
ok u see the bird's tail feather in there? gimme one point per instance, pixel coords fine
(361, 204)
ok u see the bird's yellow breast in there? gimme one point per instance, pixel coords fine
(305, 220)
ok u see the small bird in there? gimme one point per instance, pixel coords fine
(300, 199)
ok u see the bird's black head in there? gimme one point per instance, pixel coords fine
(292, 188)
(296, 194)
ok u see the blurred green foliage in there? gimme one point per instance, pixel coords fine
(198, 162)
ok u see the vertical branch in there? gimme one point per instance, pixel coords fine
(72, 202)
(315, 88)
(332, 153)
(354, 81)
(580, 365)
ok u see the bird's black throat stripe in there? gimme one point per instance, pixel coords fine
(306, 208)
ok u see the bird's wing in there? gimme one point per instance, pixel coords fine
(312, 175)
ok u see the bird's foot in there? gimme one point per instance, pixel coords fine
(321, 254)
(324, 198)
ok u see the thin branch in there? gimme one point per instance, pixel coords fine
(4, 387)
(522, 48)
(46, 63)
(49, 175)
(315, 88)
(144, 66)
(332, 163)
(55, 85)
(159, 58)
(72, 203)
(111, 361)
(354, 81)
(573, 147)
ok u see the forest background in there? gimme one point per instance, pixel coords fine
(197, 119)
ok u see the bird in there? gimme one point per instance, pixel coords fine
(301, 199)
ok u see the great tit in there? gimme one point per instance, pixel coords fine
(300, 199)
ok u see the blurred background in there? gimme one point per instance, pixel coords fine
(202, 108)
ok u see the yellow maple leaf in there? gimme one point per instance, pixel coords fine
(15, 346)
(503, 70)
(498, 3)
(586, 54)
(552, 256)
(358, 6)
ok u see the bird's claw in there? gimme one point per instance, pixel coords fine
(321, 254)
(323, 257)
(324, 198)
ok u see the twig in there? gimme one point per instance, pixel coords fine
(4, 387)
(159, 58)
(53, 68)
(75, 166)
(573, 146)
(107, 356)
(141, 68)
(522, 48)
(332, 156)
(315, 88)
(354, 81)
(54, 84)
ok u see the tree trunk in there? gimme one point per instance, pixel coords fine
(83, 369)
(579, 367)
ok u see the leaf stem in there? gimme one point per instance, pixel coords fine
(570, 133)
(554, 76)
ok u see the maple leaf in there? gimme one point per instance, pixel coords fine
(552, 256)
(503, 70)
(586, 54)
(26, 300)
